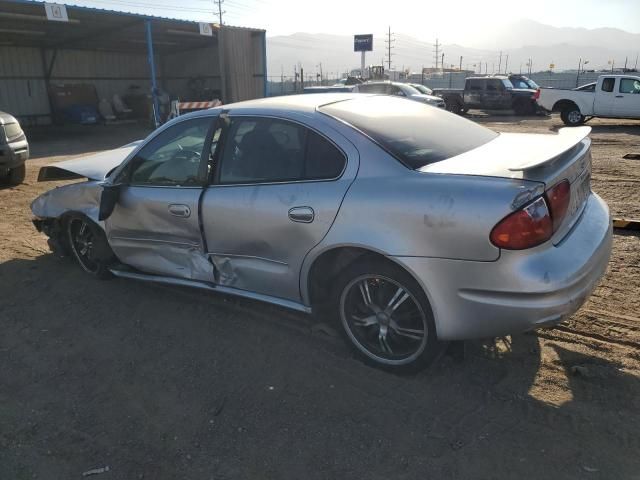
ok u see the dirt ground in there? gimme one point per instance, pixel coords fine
(164, 383)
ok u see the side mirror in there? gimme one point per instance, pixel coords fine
(108, 200)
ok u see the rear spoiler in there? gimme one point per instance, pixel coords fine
(565, 140)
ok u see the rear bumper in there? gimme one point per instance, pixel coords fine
(521, 290)
(14, 154)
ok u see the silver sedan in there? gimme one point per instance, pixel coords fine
(338, 204)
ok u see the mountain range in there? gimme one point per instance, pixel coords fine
(544, 44)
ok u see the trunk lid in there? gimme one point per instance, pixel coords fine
(544, 158)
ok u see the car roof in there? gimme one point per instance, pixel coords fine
(298, 103)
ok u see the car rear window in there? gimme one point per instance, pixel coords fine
(414, 133)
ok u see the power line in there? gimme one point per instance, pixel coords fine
(389, 41)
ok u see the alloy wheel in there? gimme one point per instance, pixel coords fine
(383, 319)
(82, 240)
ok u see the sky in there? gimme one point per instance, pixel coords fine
(466, 22)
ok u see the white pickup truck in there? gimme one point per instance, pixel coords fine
(614, 96)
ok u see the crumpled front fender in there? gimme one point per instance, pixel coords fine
(83, 197)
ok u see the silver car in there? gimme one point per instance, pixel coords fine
(336, 204)
(401, 90)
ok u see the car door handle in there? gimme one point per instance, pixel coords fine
(178, 210)
(619, 96)
(302, 214)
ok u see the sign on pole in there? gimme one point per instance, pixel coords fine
(363, 43)
(205, 29)
(55, 12)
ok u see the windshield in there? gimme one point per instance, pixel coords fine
(423, 89)
(409, 90)
(413, 132)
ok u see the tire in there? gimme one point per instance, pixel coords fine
(88, 245)
(453, 106)
(571, 116)
(16, 175)
(385, 317)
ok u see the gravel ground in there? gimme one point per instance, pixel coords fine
(163, 383)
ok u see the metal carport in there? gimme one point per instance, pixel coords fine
(114, 51)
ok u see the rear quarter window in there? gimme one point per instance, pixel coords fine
(414, 133)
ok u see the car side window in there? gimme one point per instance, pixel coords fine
(265, 150)
(475, 85)
(173, 157)
(492, 85)
(629, 85)
(608, 84)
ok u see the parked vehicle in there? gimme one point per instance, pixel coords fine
(489, 93)
(400, 90)
(407, 236)
(328, 89)
(614, 96)
(14, 150)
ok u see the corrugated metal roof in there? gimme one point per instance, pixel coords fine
(124, 13)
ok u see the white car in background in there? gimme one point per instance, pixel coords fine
(614, 96)
(400, 90)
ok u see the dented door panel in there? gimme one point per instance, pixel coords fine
(145, 232)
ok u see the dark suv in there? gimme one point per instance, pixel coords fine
(491, 93)
(14, 149)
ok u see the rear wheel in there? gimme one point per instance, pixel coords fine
(453, 105)
(571, 116)
(89, 246)
(16, 175)
(386, 317)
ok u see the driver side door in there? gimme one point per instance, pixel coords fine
(155, 225)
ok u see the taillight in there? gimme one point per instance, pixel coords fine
(525, 228)
(536, 95)
(558, 198)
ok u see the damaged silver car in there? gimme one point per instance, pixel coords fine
(408, 225)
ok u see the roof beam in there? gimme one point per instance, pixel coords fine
(98, 33)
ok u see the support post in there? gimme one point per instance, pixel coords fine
(362, 64)
(264, 61)
(152, 67)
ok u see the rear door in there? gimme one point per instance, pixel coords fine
(277, 189)
(154, 226)
(626, 102)
(604, 96)
(473, 92)
(493, 94)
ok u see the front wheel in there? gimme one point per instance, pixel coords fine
(386, 317)
(572, 116)
(89, 246)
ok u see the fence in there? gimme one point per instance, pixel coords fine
(288, 85)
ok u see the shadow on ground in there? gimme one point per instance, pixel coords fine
(165, 383)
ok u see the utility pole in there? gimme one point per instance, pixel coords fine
(389, 41)
(506, 65)
(442, 63)
(221, 61)
(636, 67)
(460, 68)
(625, 64)
(500, 63)
(436, 48)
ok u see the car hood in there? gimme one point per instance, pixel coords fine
(426, 98)
(93, 167)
